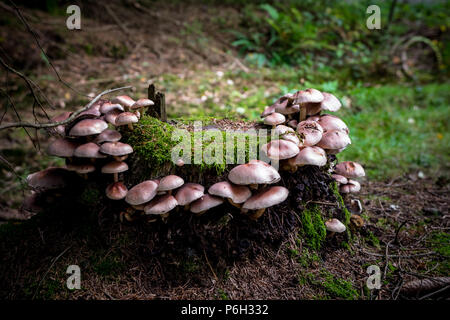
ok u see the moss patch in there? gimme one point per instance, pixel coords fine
(313, 227)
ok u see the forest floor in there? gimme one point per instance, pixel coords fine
(184, 50)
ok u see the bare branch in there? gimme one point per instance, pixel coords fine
(54, 124)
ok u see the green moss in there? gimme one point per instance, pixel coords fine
(440, 242)
(313, 227)
(337, 287)
(222, 295)
(372, 239)
(334, 187)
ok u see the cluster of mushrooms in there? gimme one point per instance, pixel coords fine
(306, 137)
(92, 142)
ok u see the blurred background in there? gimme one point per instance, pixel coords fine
(229, 59)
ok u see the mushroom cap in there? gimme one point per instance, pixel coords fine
(61, 129)
(308, 96)
(352, 186)
(334, 225)
(287, 133)
(88, 127)
(49, 179)
(116, 191)
(314, 156)
(82, 168)
(142, 103)
(282, 129)
(108, 135)
(266, 197)
(268, 111)
(330, 102)
(335, 151)
(334, 139)
(112, 116)
(108, 107)
(188, 193)
(312, 108)
(224, 189)
(274, 119)
(330, 122)
(286, 108)
(254, 172)
(62, 148)
(93, 110)
(293, 123)
(311, 132)
(170, 182)
(123, 100)
(314, 118)
(204, 203)
(339, 179)
(116, 148)
(280, 149)
(350, 169)
(115, 167)
(292, 137)
(161, 205)
(88, 150)
(126, 118)
(142, 193)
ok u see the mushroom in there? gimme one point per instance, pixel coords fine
(254, 173)
(139, 105)
(274, 119)
(141, 193)
(108, 135)
(206, 202)
(304, 97)
(280, 149)
(188, 193)
(179, 163)
(124, 100)
(287, 133)
(334, 139)
(268, 111)
(108, 107)
(92, 111)
(350, 169)
(116, 191)
(88, 150)
(115, 167)
(265, 198)
(313, 156)
(334, 225)
(170, 183)
(50, 179)
(352, 186)
(286, 108)
(330, 102)
(126, 118)
(161, 205)
(112, 116)
(116, 149)
(329, 122)
(88, 127)
(293, 123)
(62, 148)
(235, 194)
(81, 168)
(61, 129)
(311, 132)
(339, 179)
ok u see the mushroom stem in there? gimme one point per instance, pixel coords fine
(116, 177)
(257, 214)
(234, 204)
(130, 126)
(254, 186)
(302, 113)
(186, 207)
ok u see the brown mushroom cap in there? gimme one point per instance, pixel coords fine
(108, 135)
(224, 189)
(82, 168)
(115, 167)
(334, 225)
(339, 179)
(116, 191)
(161, 205)
(313, 156)
(61, 129)
(170, 182)
(274, 119)
(254, 172)
(266, 197)
(293, 123)
(123, 100)
(111, 116)
(206, 202)
(311, 132)
(126, 118)
(142, 103)
(88, 127)
(350, 169)
(268, 111)
(142, 193)
(330, 122)
(308, 96)
(108, 107)
(330, 102)
(62, 148)
(352, 186)
(188, 193)
(88, 150)
(49, 179)
(280, 149)
(286, 108)
(116, 148)
(93, 111)
(334, 139)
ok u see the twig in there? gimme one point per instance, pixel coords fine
(54, 124)
(210, 267)
(433, 293)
